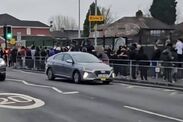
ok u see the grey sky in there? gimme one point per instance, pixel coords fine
(42, 10)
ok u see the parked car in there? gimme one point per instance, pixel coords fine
(78, 66)
(2, 70)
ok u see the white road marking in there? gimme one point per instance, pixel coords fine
(44, 86)
(168, 90)
(153, 113)
(128, 86)
(16, 103)
(173, 93)
(67, 93)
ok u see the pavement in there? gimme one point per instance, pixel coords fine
(68, 102)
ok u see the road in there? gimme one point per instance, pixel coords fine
(63, 101)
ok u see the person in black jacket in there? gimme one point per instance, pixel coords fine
(167, 58)
(133, 57)
(143, 63)
(155, 58)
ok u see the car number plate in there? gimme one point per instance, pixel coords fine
(103, 77)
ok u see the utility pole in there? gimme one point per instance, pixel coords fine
(96, 24)
(79, 19)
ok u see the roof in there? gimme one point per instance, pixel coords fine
(179, 27)
(144, 23)
(130, 26)
(6, 19)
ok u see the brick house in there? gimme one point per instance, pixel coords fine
(34, 32)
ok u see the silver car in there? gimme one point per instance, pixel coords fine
(78, 66)
(2, 70)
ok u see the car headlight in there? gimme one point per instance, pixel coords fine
(113, 75)
(85, 75)
(2, 62)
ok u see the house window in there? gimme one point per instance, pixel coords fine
(155, 32)
(28, 31)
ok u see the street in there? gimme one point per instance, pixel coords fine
(63, 101)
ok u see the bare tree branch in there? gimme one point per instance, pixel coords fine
(63, 22)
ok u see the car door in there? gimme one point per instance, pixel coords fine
(58, 64)
(68, 66)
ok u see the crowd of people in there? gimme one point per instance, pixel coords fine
(133, 55)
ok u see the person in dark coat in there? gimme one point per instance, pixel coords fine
(143, 62)
(155, 58)
(133, 58)
(37, 58)
(166, 57)
(14, 53)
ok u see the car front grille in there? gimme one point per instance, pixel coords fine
(102, 72)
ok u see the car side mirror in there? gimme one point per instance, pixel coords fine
(69, 61)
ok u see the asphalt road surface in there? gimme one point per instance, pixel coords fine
(30, 97)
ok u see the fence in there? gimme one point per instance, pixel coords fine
(144, 70)
(28, 62)
(128, 69)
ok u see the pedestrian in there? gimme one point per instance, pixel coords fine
(14, 56)
(43, 58)
(101, 55)
(174, 65)
(179, 49)
(37, 58)
(155, 58)
(143, 62)
(23, 55)
(133, 58)
(166, 57)
(123, 56)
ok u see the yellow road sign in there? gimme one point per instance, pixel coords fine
(12, 41)
(96, 18)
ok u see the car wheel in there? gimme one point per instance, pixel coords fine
(76, 77)
(50, 74)
(2, 77)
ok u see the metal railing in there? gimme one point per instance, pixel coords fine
(147, 70)
(29, 62)
(128, 69)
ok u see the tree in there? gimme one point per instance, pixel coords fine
(164, 10)
(108, 17)
(62, 22)
(87, 26)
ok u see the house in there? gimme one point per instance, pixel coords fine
(34, 32)
(178, 33)
(144, 30)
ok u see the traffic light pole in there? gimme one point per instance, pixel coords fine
(5, 39)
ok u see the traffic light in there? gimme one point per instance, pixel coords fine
(7, 32)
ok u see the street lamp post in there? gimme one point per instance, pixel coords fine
(79, 19)
(96, 23)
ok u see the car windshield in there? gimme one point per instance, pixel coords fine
(85, 58)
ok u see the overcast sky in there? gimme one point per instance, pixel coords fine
(43, 10)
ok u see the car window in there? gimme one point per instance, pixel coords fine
(85, 58)
(58, 57)
(67, 57)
